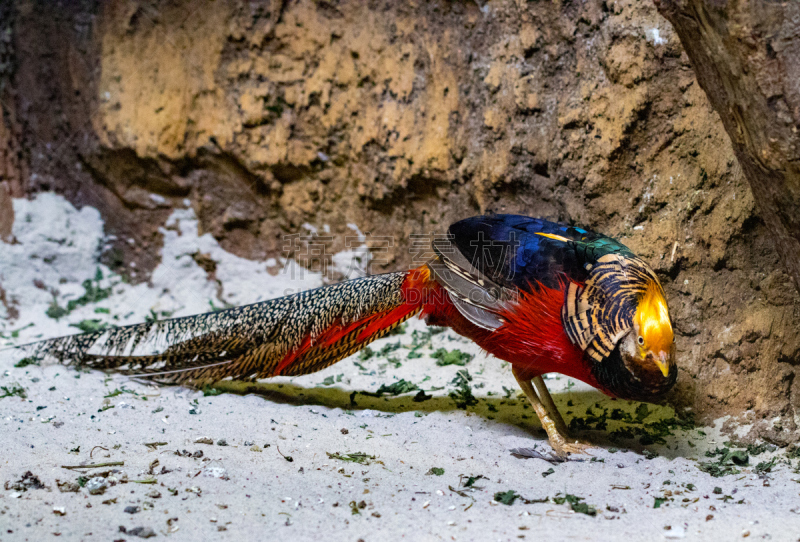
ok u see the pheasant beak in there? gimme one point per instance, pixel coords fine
(662, 361)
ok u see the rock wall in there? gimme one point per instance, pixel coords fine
(402, 117)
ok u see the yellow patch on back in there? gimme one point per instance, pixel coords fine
(652, 317)
(553, 236)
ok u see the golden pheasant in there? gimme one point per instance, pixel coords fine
(543, 296)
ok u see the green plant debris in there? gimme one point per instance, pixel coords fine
(15, 332)
(451, 357)
(422, 396)
(214, 308)
(15, 390)
(55, 311)
(435, 471)
(389, 348)
(155, 316)
(548, 472)
(422, 339)
(470, 483)
(462, 395)
(726, 462)
(623, 433)
(394, 361)
(642, 412)
(506, 497)
(366, 354)
(211, 392)
(598, 422)
(658, 501)
(357, 457)
(648, 433)
(576, 503)
(90, 325)
(24, 362)
(354, 508)
(93, 293)
(397, 388)
(655, 432)
(766, 466)
(752, 449)
(329, 381)
(119, 391)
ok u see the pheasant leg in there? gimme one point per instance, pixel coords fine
(549, 404)
(550, 418)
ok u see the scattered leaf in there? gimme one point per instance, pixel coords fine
(451, 357)
(357, 457)
(576, 503)
(506, 497)
(15, 390)
(24, 362)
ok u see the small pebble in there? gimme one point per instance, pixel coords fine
(132, 510)
(215, 471)
(141, 532)
(222, 442)
(676, 532)
(204, 440)
(96, 486)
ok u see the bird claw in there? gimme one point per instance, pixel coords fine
(564, 447)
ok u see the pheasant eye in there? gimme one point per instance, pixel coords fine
(641, 340)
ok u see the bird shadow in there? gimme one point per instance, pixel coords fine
(599, 420)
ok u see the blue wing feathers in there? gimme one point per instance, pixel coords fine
(518, 251)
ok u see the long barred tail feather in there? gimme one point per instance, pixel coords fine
(293, 335)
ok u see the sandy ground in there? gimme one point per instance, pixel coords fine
(271, 460)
